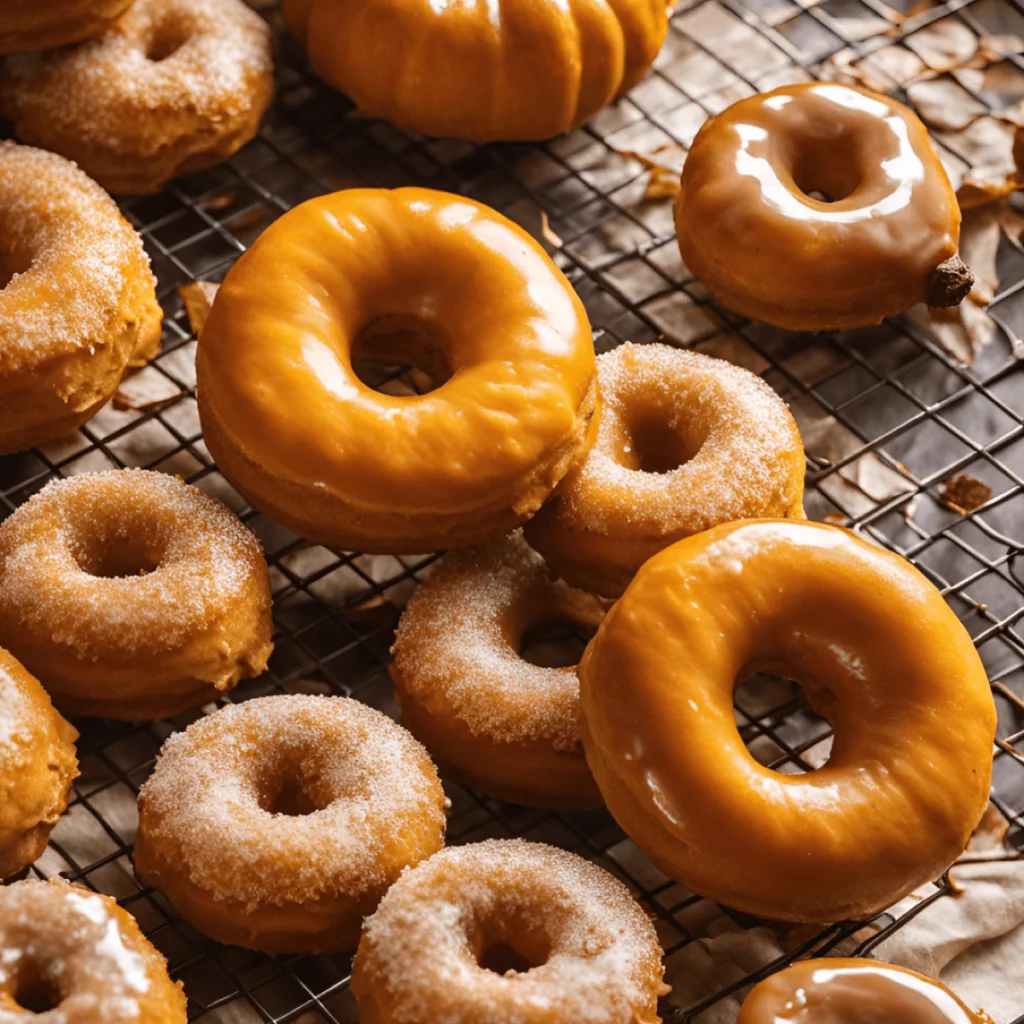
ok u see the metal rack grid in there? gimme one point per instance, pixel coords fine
(901, 405)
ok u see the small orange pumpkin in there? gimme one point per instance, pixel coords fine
(489, 70)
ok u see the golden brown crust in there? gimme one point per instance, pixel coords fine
(278, 824)
(85, 951)
(819, 206)
(37, 766)
(175, 86)
(685, 442)
(132, 594)
(29, 25)
(80, 303)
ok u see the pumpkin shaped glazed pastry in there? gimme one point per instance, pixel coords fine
(502, 71)
(818, 207)
(404, 276)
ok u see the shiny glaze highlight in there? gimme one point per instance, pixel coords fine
(751, 230)
(487, 70)
(405, 275)
(849, 991)
(878, 652)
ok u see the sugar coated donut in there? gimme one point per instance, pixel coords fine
(37, 767)
(31, 25)
(407, 276)
(685, 442)
(878, 652)
(278, 824)
(71, 956)
(508, 930)
(77, 298)
(132, 595)
(503, 71)
(174, 86)
(820, 206)
(490, 718)
(833, 990)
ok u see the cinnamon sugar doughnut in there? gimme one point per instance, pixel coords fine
(433, 951)
(79, 952)
(34, 25)
(279, 823)
(174, 86)
(77, 298)
(132, 595)
(685, 442)
(37, 766)
(492, 720)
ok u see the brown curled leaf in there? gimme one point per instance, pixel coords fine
(220, 201)
(548, 232)
(963, 493)
(198, 297)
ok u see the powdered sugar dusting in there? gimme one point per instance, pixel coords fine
(454, 652)
(16, 714)
(204, 804)
(78, 941)
(744, 468)
(418, 955)
(205, 560)
(77, 257)
(109, 93)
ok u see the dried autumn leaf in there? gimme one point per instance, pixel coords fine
(944, 45)
(147, 389)
(963, 493)
(220, 201)
(664, 173)
(198, 297)
(943, 103)
(249, 218)
(662, 184)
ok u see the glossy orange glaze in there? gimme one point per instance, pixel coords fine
(848, 991)
(749, 229)
(28, 25)
(441, 281)
(877, 651)
(489, 70)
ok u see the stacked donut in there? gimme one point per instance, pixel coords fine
(651, 498)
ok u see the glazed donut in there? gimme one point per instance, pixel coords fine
(441, 944)
(508, 71)
(818, 207)
(37, 767)
(838, 989)
(490, 719)
(402, 276)
(80, 959)
(173, 87)
(77, 298)
(31, 25)
(878, 653)
(685, 442)
(278, 824)
(132, 595)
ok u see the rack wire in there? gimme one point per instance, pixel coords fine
(906, 411)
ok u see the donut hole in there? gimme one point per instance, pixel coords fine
(506, 941)
(555, 643)
(118, 558)
(501, 958)
(827, 170)
(12, 263)
(33, 991)
(166, 40)
(402, 356)
(656, 444)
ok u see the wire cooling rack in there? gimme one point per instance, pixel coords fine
(888, 414)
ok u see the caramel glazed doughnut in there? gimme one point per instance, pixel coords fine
(37, 767)
(685, 442)
(403, 276)
(278, 824)
(173, 87)
(77, 302)
(492, 720)
(831, 991)
(32, 25)
(132, 595)
(878, 653)
(82, 957)
(440, 946)
(818, 207)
